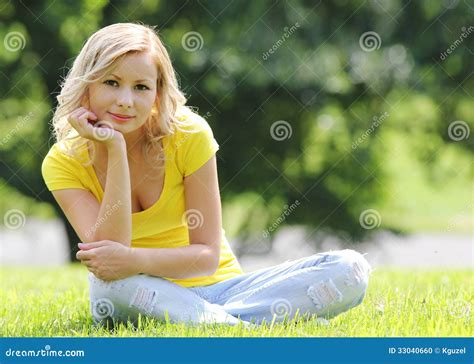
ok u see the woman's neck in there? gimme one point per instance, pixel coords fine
(135, 142)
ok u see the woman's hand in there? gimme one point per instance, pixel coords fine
(86, 124)
(107, 260)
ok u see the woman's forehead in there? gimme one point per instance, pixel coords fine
(136, 67)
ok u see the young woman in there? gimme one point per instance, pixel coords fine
(134, 171)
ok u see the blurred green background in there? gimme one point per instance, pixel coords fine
(343, 106)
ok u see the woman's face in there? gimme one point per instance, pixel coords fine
(124, 97)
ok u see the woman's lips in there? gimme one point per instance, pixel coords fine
(121, 117)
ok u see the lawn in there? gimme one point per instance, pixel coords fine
(54, 302)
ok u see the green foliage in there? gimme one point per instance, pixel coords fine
(300, 62)
(13, 200)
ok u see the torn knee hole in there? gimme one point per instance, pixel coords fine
(357, 273)
(324, 293)
(144, 299)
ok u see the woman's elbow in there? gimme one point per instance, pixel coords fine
(213, 259)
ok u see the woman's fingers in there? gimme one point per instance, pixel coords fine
(79, 120)
(85, 116)
(74, 119)
(101, 131)
(85, 262)
(81, 116)
(88, 264)
(77, 113)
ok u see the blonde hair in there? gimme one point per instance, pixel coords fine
(97, 57)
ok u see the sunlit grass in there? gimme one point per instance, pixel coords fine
(54, 302)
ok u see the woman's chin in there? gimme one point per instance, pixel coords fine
(122, 127)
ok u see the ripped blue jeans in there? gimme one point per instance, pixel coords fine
(322, 285)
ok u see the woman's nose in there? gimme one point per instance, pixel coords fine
(125, 98)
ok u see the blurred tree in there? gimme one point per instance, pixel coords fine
(309, 100)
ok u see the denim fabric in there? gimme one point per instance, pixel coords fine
(322, 285)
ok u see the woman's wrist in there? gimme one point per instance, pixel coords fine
(116, 143)
(134, 256)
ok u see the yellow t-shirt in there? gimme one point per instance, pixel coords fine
(161, 225)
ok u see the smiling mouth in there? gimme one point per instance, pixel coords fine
(121, 117)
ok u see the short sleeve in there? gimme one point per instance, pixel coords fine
(195, 147)
(61, 171)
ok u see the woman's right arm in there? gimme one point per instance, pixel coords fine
(112, 218)
(114, 221)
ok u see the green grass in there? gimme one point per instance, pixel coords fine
(54, 302)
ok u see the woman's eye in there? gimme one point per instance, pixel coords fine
(111, 83)
(142, 87)
(115, 83)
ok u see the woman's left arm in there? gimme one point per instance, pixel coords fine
(200, 258)
(204, 217)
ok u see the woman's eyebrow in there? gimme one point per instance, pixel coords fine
(118, 78)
